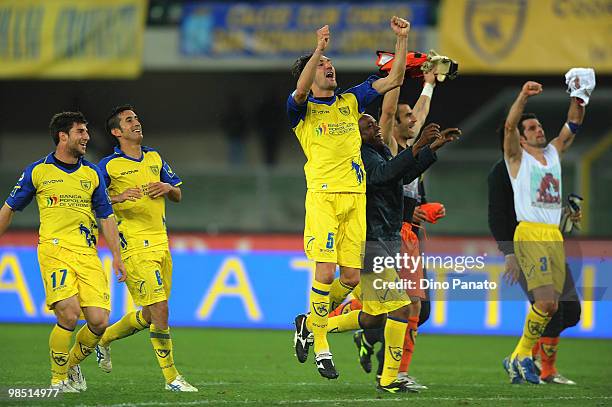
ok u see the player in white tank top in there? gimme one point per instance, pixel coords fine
(534, 167)
(537, 187)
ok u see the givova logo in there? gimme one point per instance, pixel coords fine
(52, 201)
(321, 130)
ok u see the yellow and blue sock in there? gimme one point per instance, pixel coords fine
(395, 329)
(318, 317)
(162, 345)
(59, 344)
(344, 322)
(130, 324)
(535, 323)
(84, 345)
(338, 293)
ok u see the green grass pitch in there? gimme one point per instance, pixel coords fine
(248, 367)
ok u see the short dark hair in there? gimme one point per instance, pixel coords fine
(525, 116)
(63, 122)
(112, 121)
(299, 64)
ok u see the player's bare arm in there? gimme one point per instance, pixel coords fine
(575, 116)
(161, 189)
(111, 235)
(421, 107)
(307, 76)
(387, 119)
(401, 28)
(512, 145)
(6, 216)
(130, 194)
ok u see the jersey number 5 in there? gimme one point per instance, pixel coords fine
(330, 241)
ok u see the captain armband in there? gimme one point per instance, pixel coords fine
(573, 127)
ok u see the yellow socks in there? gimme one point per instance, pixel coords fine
(317, 319)
(535, 323)
(84, 344)
(344, 322)
(128, 325)
(338, 293)
(59, 343)
(395, 329)
(162, 345)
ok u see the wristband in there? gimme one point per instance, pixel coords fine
(427, 90)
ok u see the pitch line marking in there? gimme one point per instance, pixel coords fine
(367, 400)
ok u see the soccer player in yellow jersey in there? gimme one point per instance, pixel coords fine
(326, 124)
(139, 180)
(70, 193)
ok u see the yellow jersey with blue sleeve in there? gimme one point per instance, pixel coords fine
(142, 223)
(328, 131)
(69, 201)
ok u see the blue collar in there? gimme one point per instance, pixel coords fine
(120, 153)
(324, 102)
(50, 159)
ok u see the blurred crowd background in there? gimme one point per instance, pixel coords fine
(210, 81)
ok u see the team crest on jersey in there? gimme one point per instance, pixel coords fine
(321, 308)
(162, 353)
(494, 27)
(396, 353)
(345, 110)
(154, 169)
(59, 358)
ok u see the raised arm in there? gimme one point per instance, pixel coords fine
(421, 107)
(512, 145)
(575, 117)
(395, 78)
(387, 119)
(307, 76)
